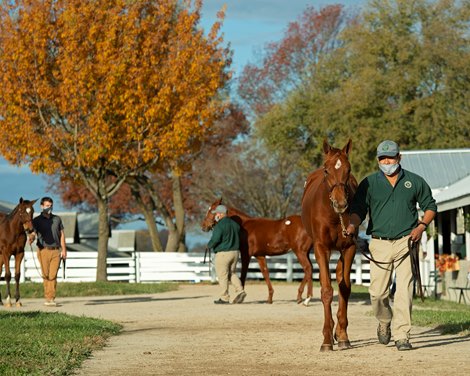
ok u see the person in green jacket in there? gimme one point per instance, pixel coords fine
(390, 197)
(225, 242)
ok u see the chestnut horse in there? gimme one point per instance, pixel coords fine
(13, 228)
(261, 237)
(327, 194)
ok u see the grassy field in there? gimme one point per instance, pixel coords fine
(40, 343)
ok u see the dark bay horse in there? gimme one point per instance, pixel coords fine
(261, 237)
(327, 194)
(13, 228)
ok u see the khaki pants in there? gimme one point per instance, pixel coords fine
(225, 267)
(381, 279)
(50, 262)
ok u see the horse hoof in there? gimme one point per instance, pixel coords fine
(344, 345)
(8, 305)
(18, 304)
(326, 347)
(307, 301)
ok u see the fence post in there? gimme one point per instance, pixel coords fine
(358, 262)
(137, 266)
(290, 268)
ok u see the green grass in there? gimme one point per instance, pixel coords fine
(38, 343)
(70, 289)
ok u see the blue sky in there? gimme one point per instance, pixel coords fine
(248, 26)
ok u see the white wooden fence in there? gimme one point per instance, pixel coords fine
(187, 267)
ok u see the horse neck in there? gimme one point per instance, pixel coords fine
(12, 221)
(235, 212)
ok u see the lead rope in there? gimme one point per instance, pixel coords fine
(36, 266)
(343, 227)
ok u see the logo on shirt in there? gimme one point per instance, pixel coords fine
(407, 184)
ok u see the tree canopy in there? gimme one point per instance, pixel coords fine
(401, 72)
(100, 91)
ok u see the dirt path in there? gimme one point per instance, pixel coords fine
(184, 333)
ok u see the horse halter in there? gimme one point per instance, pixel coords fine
(330, 189)
(28, 223)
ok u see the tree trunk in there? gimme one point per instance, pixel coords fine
(103, 235)
(179, 211)
(152, 227)
(147, 211)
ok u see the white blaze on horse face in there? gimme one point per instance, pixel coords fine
(28, 210)
(287, 222)
(338, 164)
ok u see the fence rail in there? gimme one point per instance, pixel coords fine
(170, 266)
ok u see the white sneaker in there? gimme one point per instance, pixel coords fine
(50, 303)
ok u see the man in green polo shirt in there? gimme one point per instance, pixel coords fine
(390, 197)
(225, 241)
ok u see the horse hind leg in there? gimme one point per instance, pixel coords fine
(307, 280)
(7, 281)
(264, 270)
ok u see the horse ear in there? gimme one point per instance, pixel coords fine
(348, 147)
(326, 146)
(21, 200)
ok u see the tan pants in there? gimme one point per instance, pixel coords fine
(50, 262)
(225, 267)
(381, 279)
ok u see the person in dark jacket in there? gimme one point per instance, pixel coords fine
(225, 242)
(390, 197)
(49, 230)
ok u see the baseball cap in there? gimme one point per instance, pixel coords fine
(387, 148)
(220, 209)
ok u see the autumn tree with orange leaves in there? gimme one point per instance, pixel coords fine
(104, 91)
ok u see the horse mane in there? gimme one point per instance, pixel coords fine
(238, 212)
(13, 212)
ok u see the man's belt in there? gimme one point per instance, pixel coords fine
(51, 248)
(386, 238)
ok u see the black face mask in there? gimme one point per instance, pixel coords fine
(47, 211)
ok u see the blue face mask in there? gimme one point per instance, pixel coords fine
(389, 169)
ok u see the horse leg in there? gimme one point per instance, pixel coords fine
(343, 276)
(18, 259)
(245, 263)
(322, 256)
(7, 281)
(1, 268)
(264, 270)
(307, 267)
